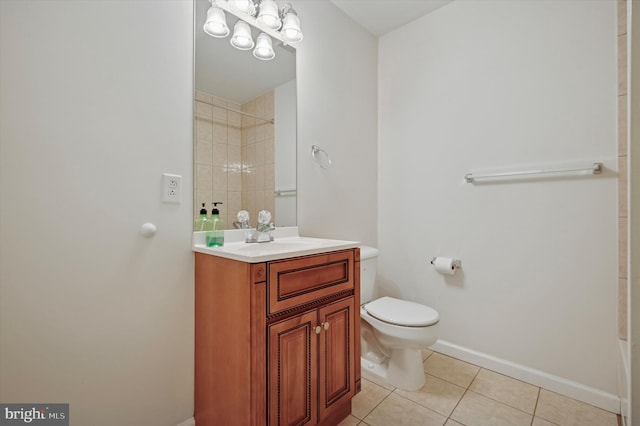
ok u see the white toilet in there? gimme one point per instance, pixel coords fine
(393, 331)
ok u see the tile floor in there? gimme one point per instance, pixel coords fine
(458, 393)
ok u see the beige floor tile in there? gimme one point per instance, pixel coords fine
(515, 393)
(370, 396)
(436, 394)
(569, 412)
(426, 353)
(452, 423)
(370, 377)
(450, 369)
(398, 411)
(350, 421)
(537, 421)
(477, 410)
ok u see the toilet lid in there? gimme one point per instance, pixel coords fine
(402, 312)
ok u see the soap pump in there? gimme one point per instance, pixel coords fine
(202, 222)
(215, 235)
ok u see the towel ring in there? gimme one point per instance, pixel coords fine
(320, 156)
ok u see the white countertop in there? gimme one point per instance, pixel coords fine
(287, 244)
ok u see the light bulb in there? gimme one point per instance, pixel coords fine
(242, 36)
(268, 15)
(216, 24)
(290, 31)
(264, 49)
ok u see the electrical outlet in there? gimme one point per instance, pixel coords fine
(171, 188)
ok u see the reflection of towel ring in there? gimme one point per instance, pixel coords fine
(320, 156)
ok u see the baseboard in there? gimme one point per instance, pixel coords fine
(190, 422)
(575, 390)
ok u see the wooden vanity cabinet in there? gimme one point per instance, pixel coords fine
(277, 343)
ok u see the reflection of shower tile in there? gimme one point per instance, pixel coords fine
(249, 160)
(269, 131)
(269, 177)
(269, 151)
(234, 180)
(260, 130)
(204, 152)
(204, 130)
(203, 96)
(234, 157)
(219, 133)
(219, 179)
(204, 111)
(219, 114)
(270, 203)
(259, 178)
(234, 136)
(251, 179)
(204, 178)
(250, 130)
(219, 154)
(260, 153)
(234, 200)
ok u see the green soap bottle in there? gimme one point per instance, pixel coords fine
(215, 235)
(202, 222)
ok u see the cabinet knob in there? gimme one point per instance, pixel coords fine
(317, 329)
(325, 325)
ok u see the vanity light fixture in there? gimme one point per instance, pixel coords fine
(216, 24)
(241, 38)
(283, 25)
(264, 49)
(290, 31)
(243, 6)
(268, 14)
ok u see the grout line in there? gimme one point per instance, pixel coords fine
(535, 407)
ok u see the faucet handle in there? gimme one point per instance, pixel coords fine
(264, 217)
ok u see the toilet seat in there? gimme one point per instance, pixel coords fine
(402, 312)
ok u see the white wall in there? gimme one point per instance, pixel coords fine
(96, 103)
(337, 92)
(496, 84)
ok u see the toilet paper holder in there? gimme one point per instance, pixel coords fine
(457, 263)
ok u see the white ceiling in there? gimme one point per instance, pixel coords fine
(381, 16)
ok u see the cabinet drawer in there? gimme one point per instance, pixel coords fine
(300, 281)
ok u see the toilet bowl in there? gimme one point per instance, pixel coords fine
(393, 332)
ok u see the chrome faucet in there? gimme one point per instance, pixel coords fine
(262, 232)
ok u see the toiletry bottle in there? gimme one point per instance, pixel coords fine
(202, 222)
(215, 236)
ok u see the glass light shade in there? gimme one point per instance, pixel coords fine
(290, 31)
(242, 36)
(244, 6)
(216, 24)
(268, 15)
(264, 48)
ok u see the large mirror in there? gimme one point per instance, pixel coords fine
(244, 127)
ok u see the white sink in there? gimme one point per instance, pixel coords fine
(284, 246)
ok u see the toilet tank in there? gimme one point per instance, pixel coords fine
(368, 266)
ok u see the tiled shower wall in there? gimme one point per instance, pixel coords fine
(622, 170)
(258, 157)
(234, 156)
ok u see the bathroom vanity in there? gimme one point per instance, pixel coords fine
(277, 332)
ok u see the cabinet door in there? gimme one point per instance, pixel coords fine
(336, 354)
(292, 371)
